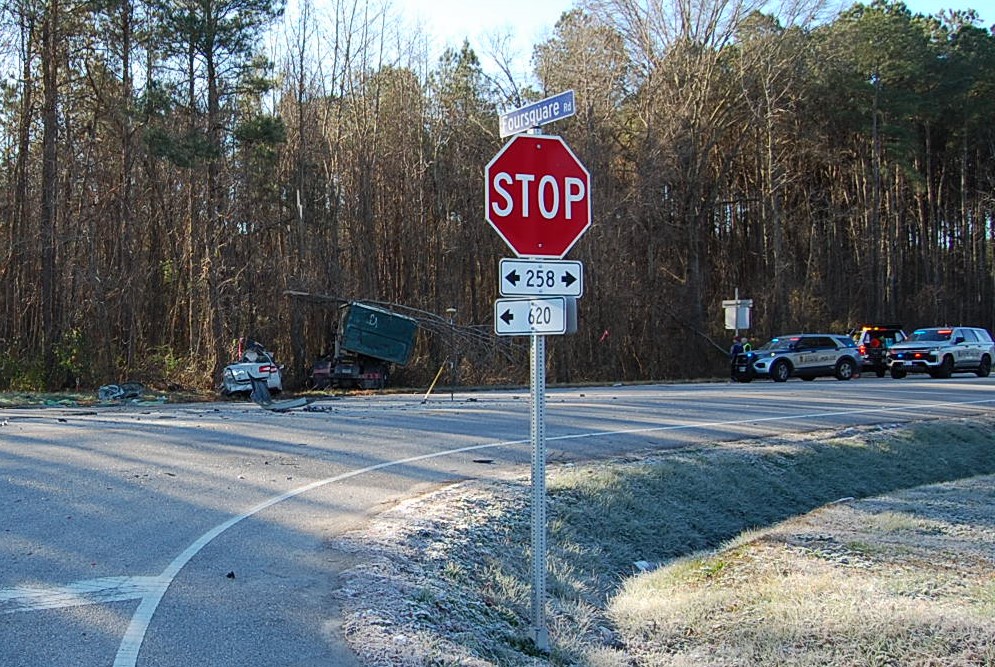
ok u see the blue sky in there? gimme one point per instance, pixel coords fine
(983, 7)
(532, 20)
(529, 22)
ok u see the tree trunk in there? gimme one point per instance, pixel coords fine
(50, 334)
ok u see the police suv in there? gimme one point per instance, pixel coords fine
(807, 356)
(941, 351)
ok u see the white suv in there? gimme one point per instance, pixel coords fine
(807, 356)
(941, 351)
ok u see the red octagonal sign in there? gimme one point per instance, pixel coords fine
(538, 196)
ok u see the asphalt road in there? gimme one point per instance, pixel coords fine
(185, 535)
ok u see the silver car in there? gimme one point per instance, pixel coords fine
(942, 351)
(255, 363)
(807, 356)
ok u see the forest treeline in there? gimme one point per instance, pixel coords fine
(174, 169)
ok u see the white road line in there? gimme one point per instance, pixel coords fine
(152, 589)
(90, 591)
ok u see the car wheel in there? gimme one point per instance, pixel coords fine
(985, 368)
(946, 367)
(879, 372)
(897, 372)
(844, 369)
(780, 371)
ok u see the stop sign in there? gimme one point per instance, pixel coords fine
(537, 196)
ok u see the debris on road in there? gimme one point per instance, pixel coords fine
(260, 396)
(120, 392)
(128, 392)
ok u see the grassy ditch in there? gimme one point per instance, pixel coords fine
(749, 553)
(902, 579)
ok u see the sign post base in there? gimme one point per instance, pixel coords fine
(537, 377)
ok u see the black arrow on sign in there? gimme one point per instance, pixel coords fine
(513, 277)
(507, 316)
(568, 279)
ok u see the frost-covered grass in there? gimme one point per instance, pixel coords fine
(836, 587)
(758, 553)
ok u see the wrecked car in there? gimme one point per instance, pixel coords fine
(254, 362)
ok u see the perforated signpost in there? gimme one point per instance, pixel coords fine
(538, 199)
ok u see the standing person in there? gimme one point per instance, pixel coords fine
(745, 342)
(734, 351)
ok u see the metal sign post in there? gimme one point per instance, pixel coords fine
(537, 198)
(537, 429)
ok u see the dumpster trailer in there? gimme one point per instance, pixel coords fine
(369, 340)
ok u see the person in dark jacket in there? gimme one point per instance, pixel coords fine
(734, 351)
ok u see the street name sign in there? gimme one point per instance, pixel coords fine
(541, 277)
(538, 113)
(537, 196)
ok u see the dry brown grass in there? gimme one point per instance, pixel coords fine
(904, 579)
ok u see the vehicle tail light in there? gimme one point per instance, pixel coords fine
(862, 348)
(267, 369)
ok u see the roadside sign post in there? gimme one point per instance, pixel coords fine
(537, 198)
(737, 313)
(537, 428)
(537, 318)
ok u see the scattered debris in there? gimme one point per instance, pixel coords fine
(260, 392)
(60, 403)
(261, 397)
(130, 392)
(120, 392)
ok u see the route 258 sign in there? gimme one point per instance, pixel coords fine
(537, 196)
(541, 277)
